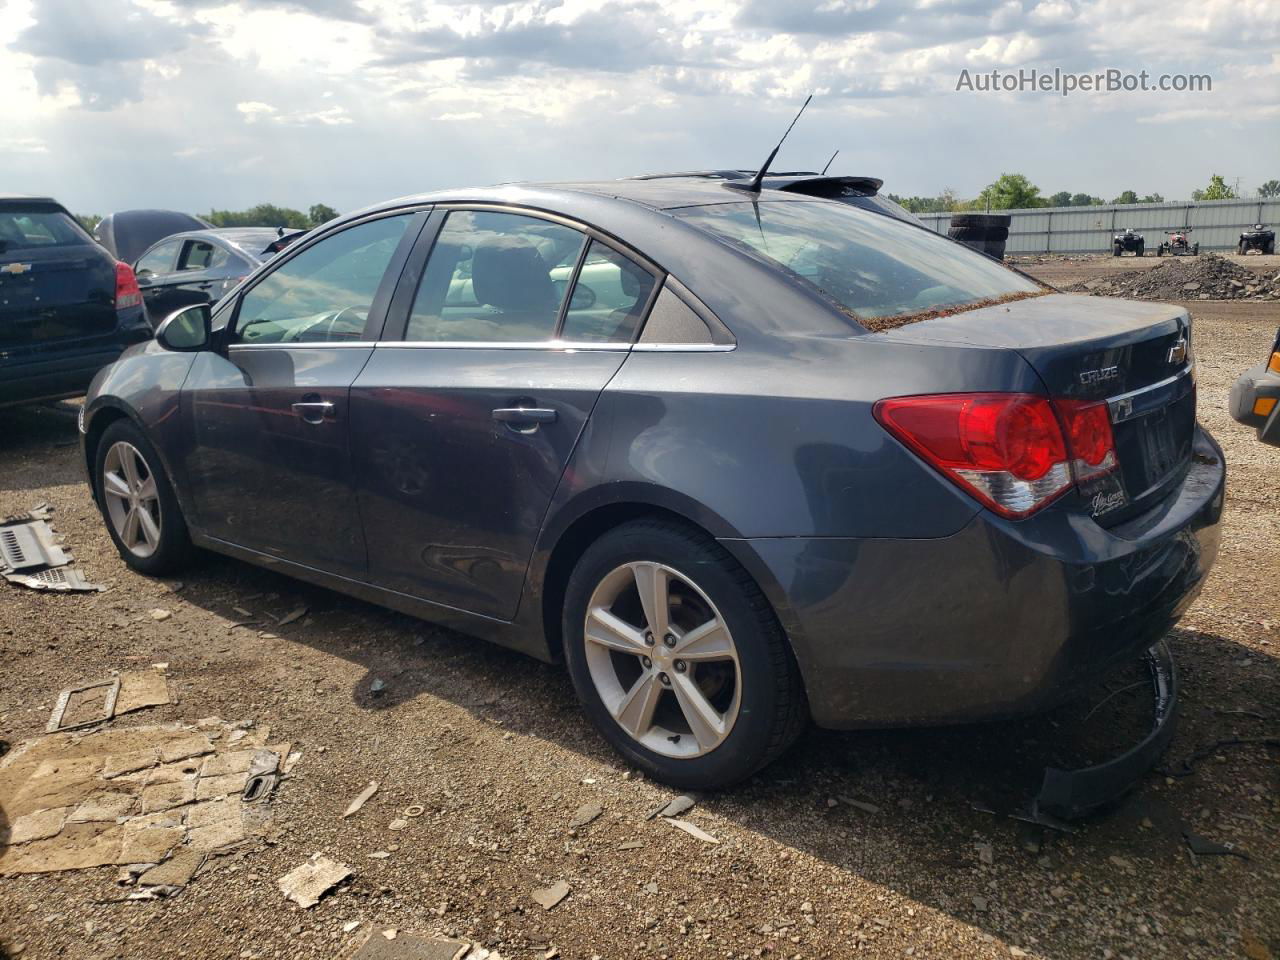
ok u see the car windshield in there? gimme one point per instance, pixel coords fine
(872, 265)
(26, 229)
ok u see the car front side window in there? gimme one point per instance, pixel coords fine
(494, 277)
(323, 294)
(159, 260)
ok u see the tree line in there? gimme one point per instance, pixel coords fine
(261, 215)
(1014, 191)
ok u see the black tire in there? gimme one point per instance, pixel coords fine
(1270, 248)
(773, 710)
(173, 549)
(1141, 250)
(1242, 248)
(1115, 250)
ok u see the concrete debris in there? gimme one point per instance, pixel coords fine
(549, 897)
(584, 815)
(397, 824)
(297, 613)
(399, 945)
(860, 805)
(123, 694)
(631, 845)
(361, 799)
(160, 615)
(986, 853)
(350, 926)
(306, 884)
(680, 805)
(693, 831)
(1206, 277)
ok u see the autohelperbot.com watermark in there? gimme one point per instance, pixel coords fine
(1065, 83)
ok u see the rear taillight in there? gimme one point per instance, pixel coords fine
(128, 293)
(1015, 452)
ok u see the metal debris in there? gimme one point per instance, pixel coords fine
(30, 555)
(112, 691)
(1203, 847)
(361, 800)
(692, 830)
(306, 884)
(549, 897)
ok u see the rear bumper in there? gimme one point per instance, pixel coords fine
(52, 379)
(1257, 384)
(1003, 618)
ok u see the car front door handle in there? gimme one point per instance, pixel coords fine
(313, 411)
(516, 417)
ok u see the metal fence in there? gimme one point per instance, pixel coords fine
(1215, 224)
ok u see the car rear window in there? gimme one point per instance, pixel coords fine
(27, 228)
(871, 265)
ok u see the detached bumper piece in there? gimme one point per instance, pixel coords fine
(31, 556)
(1072, 794)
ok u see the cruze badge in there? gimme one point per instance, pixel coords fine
(15, 268)
(1178, 352)
(1101, 375)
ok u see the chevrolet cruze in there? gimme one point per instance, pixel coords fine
(741, 458)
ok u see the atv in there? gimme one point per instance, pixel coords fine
(1260, 239)
(1128, 242)
(1178, 245)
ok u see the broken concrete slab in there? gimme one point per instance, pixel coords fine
(36, 826)
(306, 884)
(409, 946)
(585, 814)
(550, 897)
(210, 788)
(174, 872)
(130, 762)
(166, 796)
(193, 745)
(141, 689)
(104, 807)
(148, 844)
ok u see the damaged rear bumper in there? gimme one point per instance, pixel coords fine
(1071, 794)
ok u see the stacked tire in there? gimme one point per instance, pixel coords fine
(984, 232)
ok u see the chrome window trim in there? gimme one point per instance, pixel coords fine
(310, 344)
(567, 346)
(684, 347)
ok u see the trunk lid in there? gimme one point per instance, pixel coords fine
(1134, 356)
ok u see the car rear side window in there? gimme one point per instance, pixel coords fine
(159, 259)
(609, 297)
(28, 229)
(323, 294)
(494, 277)
(202, 255)
(870, 264)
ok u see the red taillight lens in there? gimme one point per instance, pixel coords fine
(1007, 449)
(128, 293)
(1093, 448)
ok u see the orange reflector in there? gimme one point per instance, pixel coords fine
(1263, 406)
(1274, 365)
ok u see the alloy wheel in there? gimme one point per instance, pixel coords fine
(662, 660)
(132, 499)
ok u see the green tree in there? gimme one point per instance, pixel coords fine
(1127, 196)
(1061, 199)
(1082, 200)
(262, 215)
(1217, 190)
(1270, 189)
(89, 220)
(321, 213)
(1153, 198)
(1011, 191)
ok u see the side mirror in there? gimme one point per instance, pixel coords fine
(187, 330)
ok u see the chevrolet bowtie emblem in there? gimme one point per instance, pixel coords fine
(1178, 352)
(15, 268)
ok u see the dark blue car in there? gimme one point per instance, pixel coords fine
(740, 458)
(67, 306)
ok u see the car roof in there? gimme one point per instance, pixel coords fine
(250, 240)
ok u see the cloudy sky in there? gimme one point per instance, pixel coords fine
(200, 103)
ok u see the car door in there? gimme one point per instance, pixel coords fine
(155, 272)
(466, 415)
(269, 466)
(198, 278)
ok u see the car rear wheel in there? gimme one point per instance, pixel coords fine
(678, 658)
(138, 503)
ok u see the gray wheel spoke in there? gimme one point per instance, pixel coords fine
(147, 524)
(704, 720)
(115, 485)
(710, 641)
(635, 711)
(130, 532)
(613, 632)
(130, 468)
(147, 489)
(652, 585)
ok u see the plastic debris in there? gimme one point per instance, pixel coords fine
(361, 800)
(306, 884)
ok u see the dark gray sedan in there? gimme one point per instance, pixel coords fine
(740, 459)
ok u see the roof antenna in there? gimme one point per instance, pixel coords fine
(830, 162)
(758, 179)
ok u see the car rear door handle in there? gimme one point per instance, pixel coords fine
(313, 411)
(524, 416)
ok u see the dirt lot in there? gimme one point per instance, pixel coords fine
(493, 747)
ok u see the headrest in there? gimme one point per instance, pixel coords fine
(510, 274)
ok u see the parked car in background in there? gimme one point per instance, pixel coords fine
(67, 307)
(1255, 397)
(200, 266)
(741, 458)
(129, 232)
(1259, 238)
(1130, 241)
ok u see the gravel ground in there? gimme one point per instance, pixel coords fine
(494, 748)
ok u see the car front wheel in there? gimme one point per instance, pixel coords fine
(138, 503)
(678, 658)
